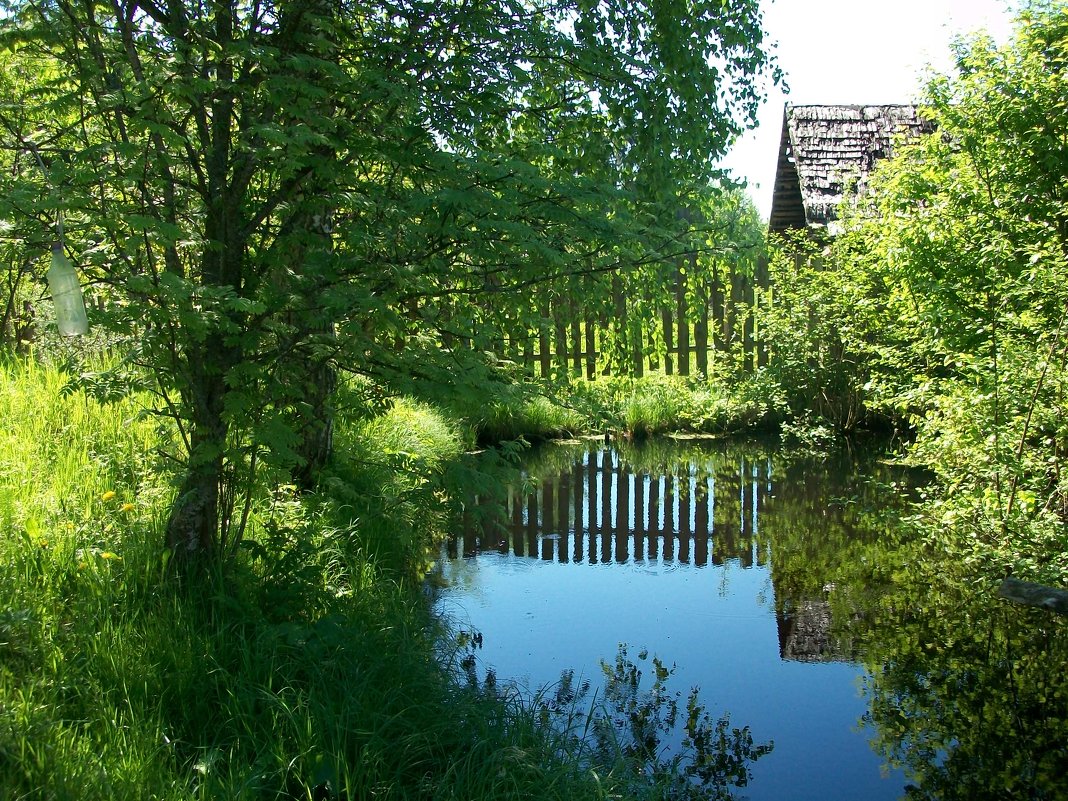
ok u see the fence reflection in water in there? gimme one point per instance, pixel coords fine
(603, 509)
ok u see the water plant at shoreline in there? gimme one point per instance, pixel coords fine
(623, 406)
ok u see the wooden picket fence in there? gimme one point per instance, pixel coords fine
(690, 335)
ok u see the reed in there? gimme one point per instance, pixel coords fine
(657, 404)
(527, 414)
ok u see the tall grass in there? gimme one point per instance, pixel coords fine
(528, 414)
(657, 404)
(78, 563)
(636, 407)
(61, 452)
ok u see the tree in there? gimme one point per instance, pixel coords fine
(22, 236)
(968, 234)
(943, 302)
(948, 291)
(266, 192)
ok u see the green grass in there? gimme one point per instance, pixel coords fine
(635, 407)
(657, 404)
(525, 412)
(77, 494)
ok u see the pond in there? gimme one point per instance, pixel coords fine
(761, 574)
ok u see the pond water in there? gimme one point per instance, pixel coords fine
(753, 570)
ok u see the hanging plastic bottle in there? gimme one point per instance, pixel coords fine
(67, 294)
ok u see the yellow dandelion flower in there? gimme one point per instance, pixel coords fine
(107, 496)
(110, 555)
(127, 507)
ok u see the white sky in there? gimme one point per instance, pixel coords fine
(856, 52)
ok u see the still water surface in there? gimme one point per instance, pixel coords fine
(710, 557)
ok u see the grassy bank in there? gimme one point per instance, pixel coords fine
(308, 667)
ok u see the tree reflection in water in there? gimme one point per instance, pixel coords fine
(968, 693)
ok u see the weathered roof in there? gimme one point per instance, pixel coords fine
(825, 150)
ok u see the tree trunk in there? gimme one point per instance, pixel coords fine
(196, 519)
(310, 367)
(194, 522)
(315, 445)
(192, 529)
(314, 251)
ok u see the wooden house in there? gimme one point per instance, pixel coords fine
(825, 151)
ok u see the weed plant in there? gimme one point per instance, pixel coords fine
(635, 407)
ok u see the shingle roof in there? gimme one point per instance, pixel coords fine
(825, 150)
